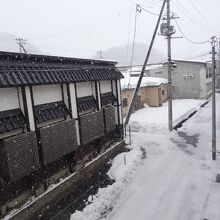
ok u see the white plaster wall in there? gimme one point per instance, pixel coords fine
(21, 100)
(84, 89)
(114, 88)
(99, 95)
(105, 86)
(74, 110)
(93, 89)
(65, 95)
(73, 100)
(30, 109)
(8, 99)
(46, 94)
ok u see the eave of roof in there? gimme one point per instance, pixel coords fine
(51, 59)
(189, 61)
(22, 69)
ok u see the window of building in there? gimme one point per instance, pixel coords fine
(158, 72)
(86, 104)
(124, 102)
(51, 111)
(108, 99)
(11, 120)
(163, 92)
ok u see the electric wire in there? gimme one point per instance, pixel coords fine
(134, 37)
(84, 27)
(197, 56)
(161, 62)
(129, 32)
(202, 16)
(188, 39)
(191, 18)
(149, 12)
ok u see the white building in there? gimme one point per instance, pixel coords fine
(191, 79)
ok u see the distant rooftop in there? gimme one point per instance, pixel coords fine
(46, 58)
(131, 83)
(23, 69)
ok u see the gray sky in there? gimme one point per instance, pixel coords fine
(82, 27)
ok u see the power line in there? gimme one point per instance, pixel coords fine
(76, 30)
(137, 9)
(193, 42)
(149, 12)
(191, 18)
(129, 32)
(201, 15)
(198, 56)
(144, 66)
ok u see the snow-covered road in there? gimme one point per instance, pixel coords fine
(176, 178)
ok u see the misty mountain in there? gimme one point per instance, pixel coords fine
(8, 43)
(119, 54)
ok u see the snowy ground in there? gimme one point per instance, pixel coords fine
(166, 176)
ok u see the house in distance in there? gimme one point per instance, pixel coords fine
(191, 79)
(153, 91)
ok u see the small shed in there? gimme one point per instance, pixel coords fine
(153, 91)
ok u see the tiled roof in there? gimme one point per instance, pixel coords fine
(50, 111)
(11, 120)
(86, 103)
(37, 70)
(108, 98)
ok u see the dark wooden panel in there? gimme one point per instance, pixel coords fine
(57, 140)
(110, 119)
(19, 156)
(92, 126)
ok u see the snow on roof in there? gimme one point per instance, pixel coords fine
(146, 81)
(191, 61)
(148, 67)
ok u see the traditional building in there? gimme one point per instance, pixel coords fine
(52, 107)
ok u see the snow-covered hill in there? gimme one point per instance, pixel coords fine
(123, 58)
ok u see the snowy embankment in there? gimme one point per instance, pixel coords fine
(162, 177)
(157, 117)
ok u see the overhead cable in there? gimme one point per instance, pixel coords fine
(202, 16)
(191, 18)
(188, 39)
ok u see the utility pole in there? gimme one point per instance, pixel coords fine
(144, 66)
(137, 9)
(213, 42)
(218, 75)
(169, 68)
(21, 42)
(100, 54)
(168, 30)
